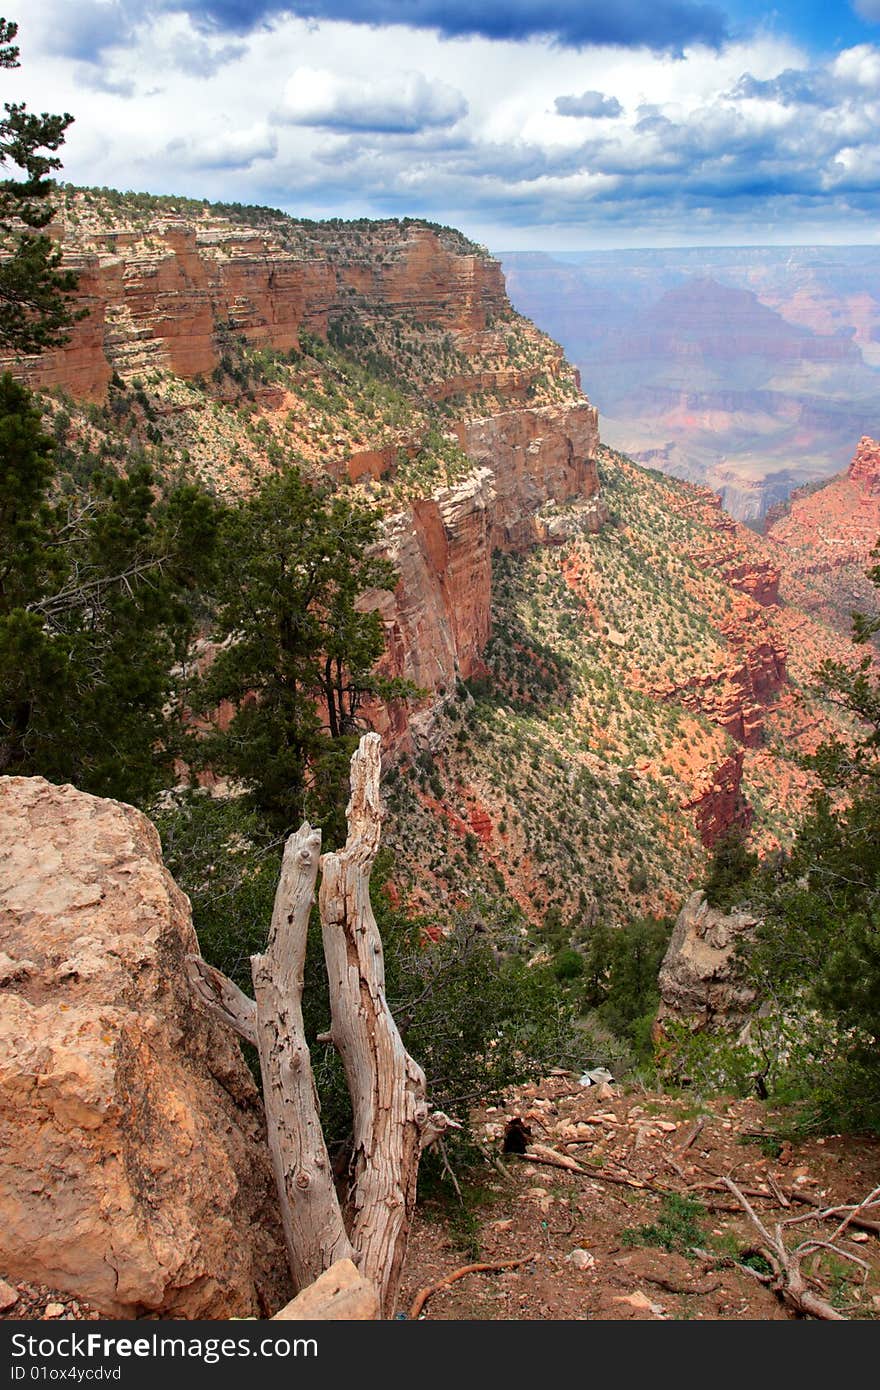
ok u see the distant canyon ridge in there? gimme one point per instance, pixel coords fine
(748, 369)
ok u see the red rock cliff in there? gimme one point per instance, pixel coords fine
(164, 295)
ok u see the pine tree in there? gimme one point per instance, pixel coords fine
(297, 656)
(96, 607)
(34, 289)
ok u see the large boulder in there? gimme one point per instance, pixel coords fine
(133, 1163)
(701, 980)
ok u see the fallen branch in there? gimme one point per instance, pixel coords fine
(541, 1153)
(777, 1191)
(728, 1262)
(790, 1283)
(423, 1295)
(697, 1129)
(854, 1214)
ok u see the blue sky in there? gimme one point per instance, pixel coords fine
(528, 123)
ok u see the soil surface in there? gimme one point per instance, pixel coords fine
(648, 1228)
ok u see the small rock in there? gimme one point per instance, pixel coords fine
(644, 1134)
(859, 1236)
(8, 1296)
(581, 1259)
(641, 1303)
(54, 1310)
(667, 1126)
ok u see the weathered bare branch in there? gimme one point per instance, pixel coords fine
(313, 1225)
(223, 998)
(387, 1087)
(790, 1282)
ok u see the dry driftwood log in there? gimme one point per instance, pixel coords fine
(370, 1224)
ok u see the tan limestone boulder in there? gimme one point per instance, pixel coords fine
(133, 1166)
(700, 979)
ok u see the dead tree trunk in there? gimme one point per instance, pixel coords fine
(391, 1119)
(387, 1087)
(313, 1225)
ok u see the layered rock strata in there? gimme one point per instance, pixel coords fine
(168, 295)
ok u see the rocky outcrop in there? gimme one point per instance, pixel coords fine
(170, 294)
(734, 695)
(825, 539)
(539, 456)
(133, 1165)
(534, 480)
(718, 802)
(700, 979)
(758, 579)
(864, 470)
(437, 619)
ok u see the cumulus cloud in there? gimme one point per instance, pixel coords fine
(230, 149)
(381, 123)
(859, 66)
(402, 104)
(665, 25)
(594, 104)
(792, 87)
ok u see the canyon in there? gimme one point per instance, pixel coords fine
(751, 369)
(613, 672)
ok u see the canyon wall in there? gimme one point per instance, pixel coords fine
(167, 294)
(437, 622)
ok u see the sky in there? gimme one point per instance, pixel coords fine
(529, 124)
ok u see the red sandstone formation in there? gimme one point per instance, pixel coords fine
(759, 579)
(719, 804)
(864, 470)
(166, 296)
(826, 537)
(537, 456)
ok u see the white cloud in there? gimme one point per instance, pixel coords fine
(226, 149)
(348, 120)
(399, 103)
(859, 65)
